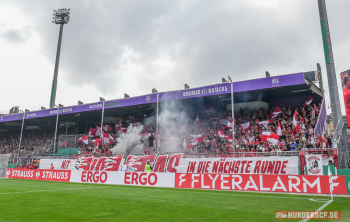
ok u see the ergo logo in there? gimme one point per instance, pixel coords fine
(94, 177)
(142, 178)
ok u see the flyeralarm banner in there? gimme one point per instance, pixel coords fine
(245, 165)
(274, 183)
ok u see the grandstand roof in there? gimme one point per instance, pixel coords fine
(263, 89)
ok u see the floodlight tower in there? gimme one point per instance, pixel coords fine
(61, 17)
(343, 148)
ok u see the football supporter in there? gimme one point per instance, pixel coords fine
(51, 167)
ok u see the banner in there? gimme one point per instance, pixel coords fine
(124, 178)
(314, 164)
(274, 183)
(35, 174)
(245, 165)
(321, 121)
(345, 80)
(160, 163)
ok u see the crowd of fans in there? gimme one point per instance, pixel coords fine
(207, 128)
(250, 140)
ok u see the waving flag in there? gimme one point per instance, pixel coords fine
(118, 123)
(279, 129)
(84, 139)
(98, 142)
(223, 120)
(196, 122)
(107, 128)
(264, 123)
(209, 109)
(92, 132)
(295, 123)
(195, 142)
(276, 112)
(271, 137)
(308, 101)
(107, 138)
(121, 130)
(245, 126)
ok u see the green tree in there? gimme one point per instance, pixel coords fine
(14, 109)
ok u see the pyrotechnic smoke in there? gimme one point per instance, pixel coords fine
(173, 126)
(129, 142)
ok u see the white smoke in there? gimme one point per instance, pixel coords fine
(129, 142)
(173, 126)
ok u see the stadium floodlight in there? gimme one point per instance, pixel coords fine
(42, 108)
(80, 102)
(267, 74)
(154, 90)
(223, 80)
(27, 110)
(102, 99)
(126, 96)
(60, 105)
(187, 86)
(61, 17)
(229, 78)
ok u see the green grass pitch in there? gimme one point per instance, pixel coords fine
(26, 200)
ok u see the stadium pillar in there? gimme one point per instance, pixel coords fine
(157, 123)
(103, 112)
(54, 142)
(20, 139)
(332, 82)
(233, 119)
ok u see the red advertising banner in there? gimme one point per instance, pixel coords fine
(345, 80)
(263, 182)
(35, 174)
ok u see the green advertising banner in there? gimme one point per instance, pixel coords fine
(347, 181)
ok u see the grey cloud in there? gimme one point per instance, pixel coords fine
(16, 36)
(205, 40)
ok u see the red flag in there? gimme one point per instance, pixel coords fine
(223, 120)
(92, 132)
(118, 123)
(308, 101)
(196, 122)
(84, 139)
(98, 142)
(276, 112)
(295, 123)
(264, 123)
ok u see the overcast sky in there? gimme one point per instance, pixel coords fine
(114, 47)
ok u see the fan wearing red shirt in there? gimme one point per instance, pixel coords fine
(18, 166)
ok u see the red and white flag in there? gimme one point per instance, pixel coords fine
(98, 142)
(245, 126)
(222, 134)
(136, 124)
(196, 122)
(295, 122)
(209, 109)
(92, 132)
(276, 112)
(279, 129)
(121, 130)
(195, 142)
(118, 123)
(308, 101)
(223, 120)
(264, 123)
(129, 119)
(107, 138)
(107, 128)
(271, 137)
(84, 139)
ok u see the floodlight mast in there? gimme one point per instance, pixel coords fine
(61, 17)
